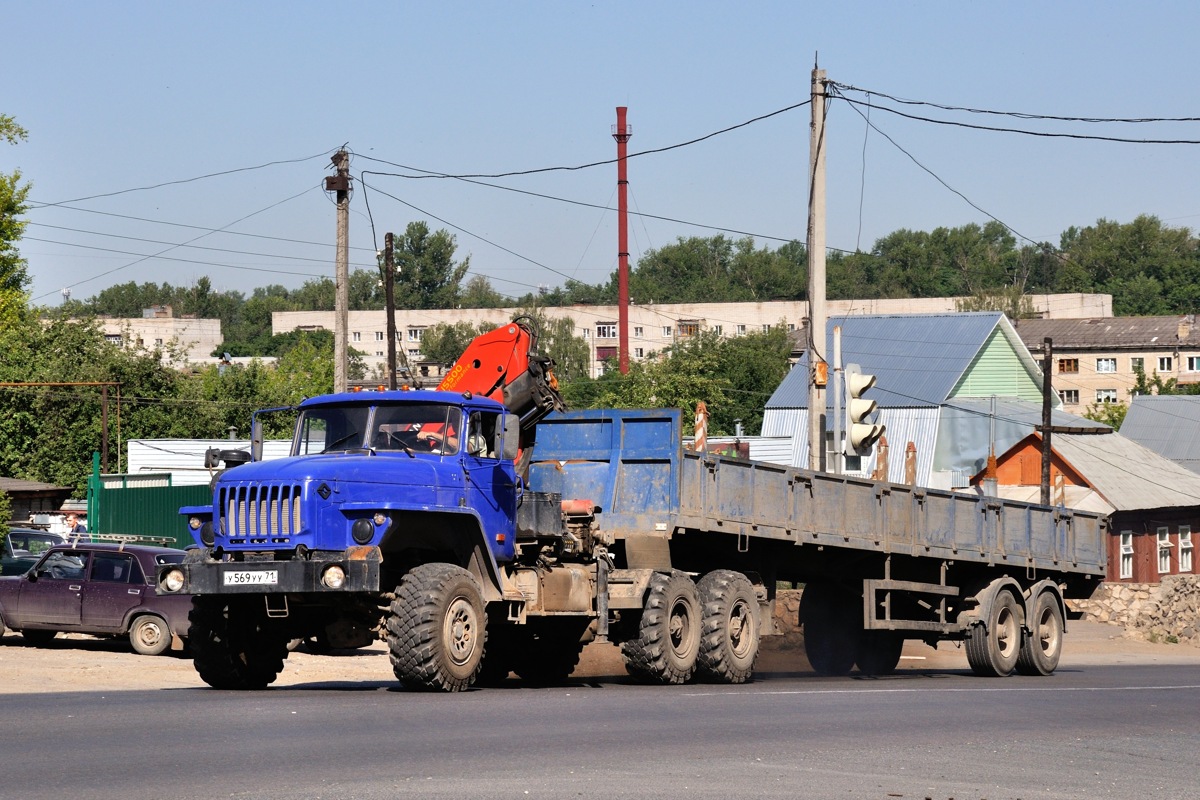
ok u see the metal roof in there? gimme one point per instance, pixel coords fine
(918, 359)
(1167, 424)
(1110, 333)
(1128, 475)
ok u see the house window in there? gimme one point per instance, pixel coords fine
(1185, 548)
(688, 327)
(414, 353)
(1126, 555)
(606, 330)
(1193, 363)
(1106, 395)
(1068, 365)
(668, 330)
(1106, 365)
(112, 338)
(638, 352)
(415, 334)
(1070, 397)
(1164, 551)
(741, 329)
(1165, 363)
(356, 336)
(637, 331)
(716, 329)
(1137, 363)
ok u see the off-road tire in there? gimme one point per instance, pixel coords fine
(150, 635)
(668, 642)
(437, 628)
(729, 627)
(231, 645)
(1042, 648)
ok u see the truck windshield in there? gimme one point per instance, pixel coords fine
(330, 428)
(417, 428)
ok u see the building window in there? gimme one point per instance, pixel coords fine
(637, 331)
(379, 354)
(1165, 363)
(1106, 365)
(606, 330)
(766, 328)
(791, 326)
(379, 336)
(638, 352)
(1164, 551)
(1185, 548)
(415, 334)
(716, 329)
(1137, 363)
(1126, 555)
(741, 329)
(112, 338)
(688, 328)
(668, 330)
(1070, 397)
(1068, 365)
(1193, 363)
(414, 353)
(587, 333)
(158, 342)
(606, 354)
(356, 336)
(1106, 395)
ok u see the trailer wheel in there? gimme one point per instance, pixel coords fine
(668, 640)
(149, 635)
(437, 628)
(232, 646)
(994, 643)
(1042, 648)
(832, 627)
(879, 652)
(729, 627)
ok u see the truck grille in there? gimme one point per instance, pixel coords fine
(263, 514)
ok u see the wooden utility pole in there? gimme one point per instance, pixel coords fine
(818, 369)
(389, 285)
(340, 183)
(1047, 427)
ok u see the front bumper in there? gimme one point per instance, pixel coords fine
(359, 565)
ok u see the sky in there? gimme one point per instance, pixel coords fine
(232, 110)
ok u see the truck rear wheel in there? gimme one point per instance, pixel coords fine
(232, 646)
(668, 640)
(729, 627)
(437, 628)
(1042, 649)
(832, 628)
(994, 643)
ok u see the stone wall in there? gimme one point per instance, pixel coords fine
(1159, 612)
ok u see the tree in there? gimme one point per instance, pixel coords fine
(427, 276)
(480, 294)
(14, 278)
(443, 343)
(1111, 414)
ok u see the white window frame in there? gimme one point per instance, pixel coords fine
(1070, 397)
(606, 330)
(1106, 365)
(356, 336)
(380, 336)
(1164, 551)
(1193, 363)
(716, 329)
(415, 334)
(668, 331)
(1185, 548)
(637, 331)
(1166, 364)
(1136, 363)
(1106, 395)
(741, 329)
(639, 352)
(1126, 555)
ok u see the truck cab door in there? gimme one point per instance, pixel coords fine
(491, 481)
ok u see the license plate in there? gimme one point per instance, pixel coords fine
(251, 577)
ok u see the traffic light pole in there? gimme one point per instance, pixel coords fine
(839, 459)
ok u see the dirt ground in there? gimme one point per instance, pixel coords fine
(77, 662)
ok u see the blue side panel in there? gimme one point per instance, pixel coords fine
(627, 461)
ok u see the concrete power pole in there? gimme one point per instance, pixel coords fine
(340, 183)
(818, 368)
(389, 295)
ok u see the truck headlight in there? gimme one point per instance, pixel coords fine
(173, 580)
(334, 577)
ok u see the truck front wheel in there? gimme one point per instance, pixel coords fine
(437, 628)
(668, 642)
(232, 646)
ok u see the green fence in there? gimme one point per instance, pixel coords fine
(120, 511)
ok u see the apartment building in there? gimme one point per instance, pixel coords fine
(158, 328)
(1096, 360)
(652, 327)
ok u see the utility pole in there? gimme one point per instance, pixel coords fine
(389, 284)
(622, 133)
(1047, 363)
(340, 183)
(818, 368)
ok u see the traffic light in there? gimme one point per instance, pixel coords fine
(861, 433)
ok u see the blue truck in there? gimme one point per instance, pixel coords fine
(409, 516)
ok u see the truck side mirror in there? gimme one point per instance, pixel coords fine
(256, 440)
(512, 436)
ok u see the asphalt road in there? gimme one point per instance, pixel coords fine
(1102, 731)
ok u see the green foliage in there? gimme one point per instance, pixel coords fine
(427, 276)
(5, 514)
(1009, 300)
(443, 343)
(480, 294)
(697, 269)
(1111, 414)
(14, 277)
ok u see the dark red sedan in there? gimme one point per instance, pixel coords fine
(101, 589)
